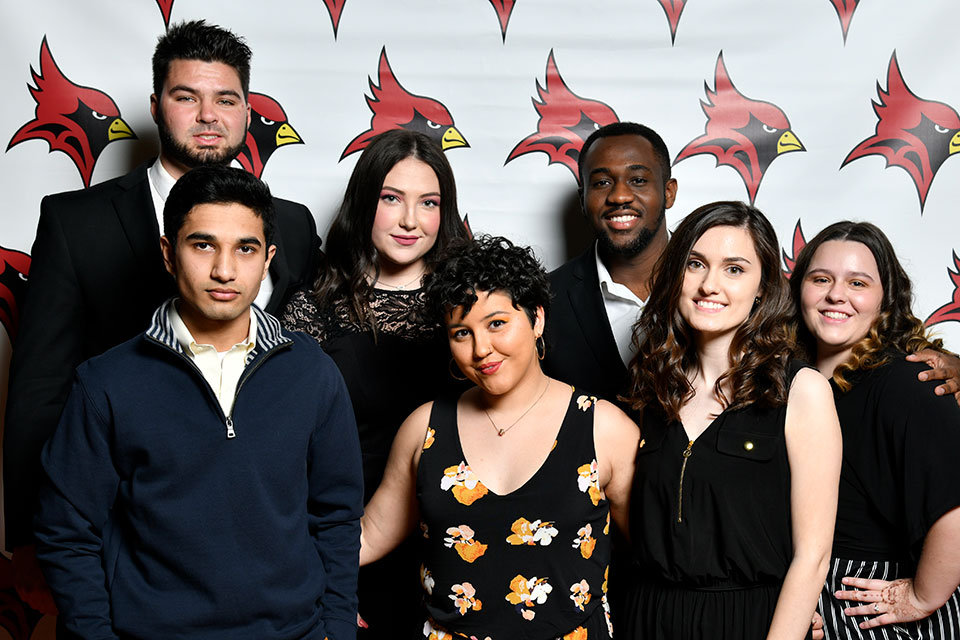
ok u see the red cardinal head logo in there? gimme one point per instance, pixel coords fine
(741, 133)
(845, 9)
(335, 8)
(14, 269)
(673, 9)
(394, 107)
(914, 134)
(165, 7)
(799, 242)
(566, 121)
(951, 310)
(503, 8)
(79, 121)
(268, 131)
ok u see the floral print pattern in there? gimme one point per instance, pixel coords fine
(463, 483)
(531, 533)
(429, 439)
(584, 402)
(585, 541)
(525, 594)
(464, 598)
(577, 634)
(580, 594)
(589, 481)
(426, 579)
(461, 539)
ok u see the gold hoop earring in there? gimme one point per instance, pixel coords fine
(452, 367)
(541, 346)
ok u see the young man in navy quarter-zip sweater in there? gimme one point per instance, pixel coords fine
(204, 479)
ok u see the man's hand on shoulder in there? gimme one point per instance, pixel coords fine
(943, 366)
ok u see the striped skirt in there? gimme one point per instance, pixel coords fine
(943, 624)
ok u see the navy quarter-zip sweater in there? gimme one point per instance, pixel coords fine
(155, 524)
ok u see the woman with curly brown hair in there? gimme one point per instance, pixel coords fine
(898, 521)
(514, 482)
(734, 496)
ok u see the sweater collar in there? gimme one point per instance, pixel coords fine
(269, 332)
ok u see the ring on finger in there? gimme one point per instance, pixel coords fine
(876, 607)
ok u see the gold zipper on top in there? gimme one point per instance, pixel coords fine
(686, 456)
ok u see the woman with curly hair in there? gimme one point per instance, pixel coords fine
(898, 522)
(514, 481)
(399, 211)
(734, 496)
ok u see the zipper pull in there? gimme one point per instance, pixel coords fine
(686, 456)
(230, 432)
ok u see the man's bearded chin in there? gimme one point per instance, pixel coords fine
(636, 246)
(191, 158)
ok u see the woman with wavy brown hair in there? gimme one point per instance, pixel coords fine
(899, 511)
(734, 496)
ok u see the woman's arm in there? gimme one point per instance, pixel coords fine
(615, 438)
(393, 511)
(814, 451)
(938, 574)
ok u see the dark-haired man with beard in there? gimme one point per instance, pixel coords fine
(98, 274)
(625, 191)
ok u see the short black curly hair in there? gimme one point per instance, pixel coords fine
(486, 263)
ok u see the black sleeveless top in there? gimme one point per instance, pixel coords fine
(711, 524)
(527, 565)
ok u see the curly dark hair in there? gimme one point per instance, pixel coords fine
(487, 263)
(895, 326)
(761, 346)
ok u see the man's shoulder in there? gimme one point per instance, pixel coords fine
(574, 271)
(97, 193)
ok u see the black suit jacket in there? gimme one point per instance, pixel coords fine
(96, 277)
(581, 349)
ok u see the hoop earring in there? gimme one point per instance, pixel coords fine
(541, 346)
(452, 368)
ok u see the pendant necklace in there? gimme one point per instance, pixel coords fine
(500, 431)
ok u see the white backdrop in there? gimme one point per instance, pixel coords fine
(791, 54)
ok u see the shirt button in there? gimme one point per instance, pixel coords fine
(748, 446)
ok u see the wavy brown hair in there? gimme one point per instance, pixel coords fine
(895, 327)
(761, 347)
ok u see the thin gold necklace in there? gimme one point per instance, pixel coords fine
(400, 287)
(500, 431)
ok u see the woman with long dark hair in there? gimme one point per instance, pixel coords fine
(515, 481)
(898, 523)
(734, 495)
(399, 211)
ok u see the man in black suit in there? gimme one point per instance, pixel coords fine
(625, 191)
(97, 272)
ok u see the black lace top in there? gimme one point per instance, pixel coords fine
(388, 375)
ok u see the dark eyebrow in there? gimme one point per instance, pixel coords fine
(700, 256)
(188, 89)
(632, 167)
(853, 274)
(403, 193)
(209, 237)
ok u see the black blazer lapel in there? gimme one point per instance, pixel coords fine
(134, 209)
(587, 303)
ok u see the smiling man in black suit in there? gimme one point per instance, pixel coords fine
(625, 191)
(97, 273)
